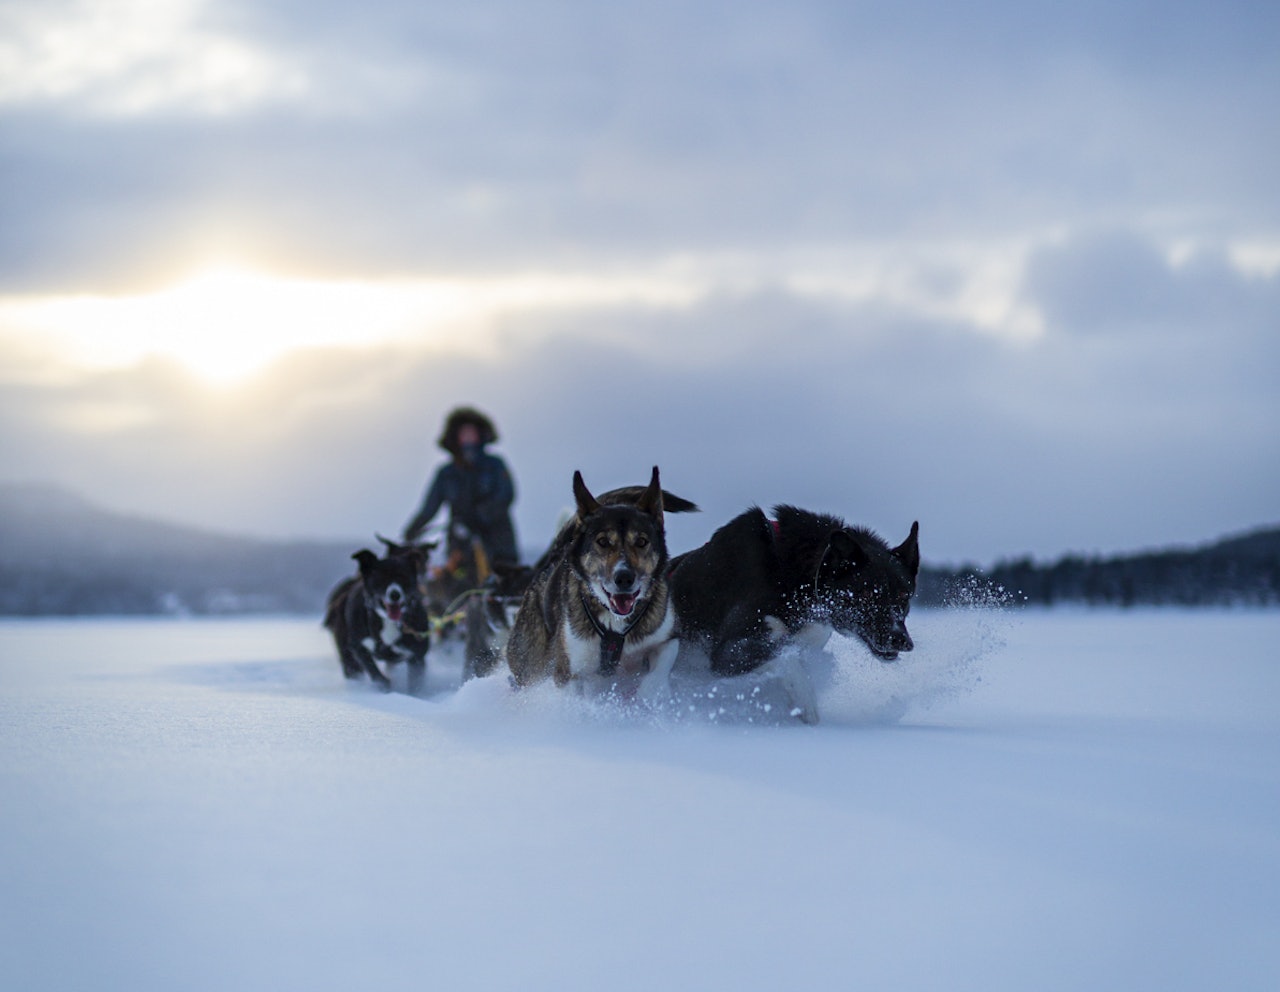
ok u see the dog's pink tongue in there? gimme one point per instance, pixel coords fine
(621, 604)
(394, 611)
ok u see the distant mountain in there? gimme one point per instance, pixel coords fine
(1242, 570)
(61, 555)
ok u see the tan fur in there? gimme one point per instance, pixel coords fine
(554, 634)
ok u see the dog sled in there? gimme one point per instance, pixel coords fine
(472, 602)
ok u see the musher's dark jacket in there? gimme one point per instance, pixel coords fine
(479, 497)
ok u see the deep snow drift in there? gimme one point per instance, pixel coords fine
(1028, 801)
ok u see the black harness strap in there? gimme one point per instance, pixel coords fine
(612, 641)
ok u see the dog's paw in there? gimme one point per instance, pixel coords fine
(795, 681)
(654, 691)
(655, 686)
(776, 630)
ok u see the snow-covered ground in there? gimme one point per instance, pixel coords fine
(1031, 801)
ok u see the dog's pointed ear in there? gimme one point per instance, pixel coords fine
(908, 552)
(587, 504)
(843, 552)
(366, 558)
(391, 546)
(650, 501)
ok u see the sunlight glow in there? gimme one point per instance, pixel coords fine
(1260, 257)
(226, 324)
(975, 285)
(131, 57)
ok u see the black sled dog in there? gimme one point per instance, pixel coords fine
(761, 582)
(379, 615)
(597, 608)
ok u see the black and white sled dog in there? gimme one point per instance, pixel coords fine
(759, 583)
(378, 615)
(597, 608)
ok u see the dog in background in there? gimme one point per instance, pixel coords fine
(759, 583)
(489, 614)
(597, 607)
(378, 615)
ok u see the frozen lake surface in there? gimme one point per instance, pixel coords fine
(1060, 800)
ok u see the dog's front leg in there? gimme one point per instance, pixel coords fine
(374, 672)
(790, 671)
(352, 667)
(655, 687)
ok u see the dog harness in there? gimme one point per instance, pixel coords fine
(612, 641)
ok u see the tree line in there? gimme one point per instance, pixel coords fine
(1237, 571)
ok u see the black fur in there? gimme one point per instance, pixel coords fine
(379, 615)
(805, 568)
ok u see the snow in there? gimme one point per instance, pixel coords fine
(1037, 800)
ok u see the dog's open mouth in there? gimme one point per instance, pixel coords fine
(395, 611)
(622, 603)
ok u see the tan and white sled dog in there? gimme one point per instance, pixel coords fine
(597, 613)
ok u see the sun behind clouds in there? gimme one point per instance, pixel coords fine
(227, 323)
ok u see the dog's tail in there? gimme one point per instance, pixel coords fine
(396, 548)
(671, 503)
(338, 601)
(627, 495)
(630, 495)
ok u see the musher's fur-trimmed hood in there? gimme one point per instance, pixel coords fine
(448, 439)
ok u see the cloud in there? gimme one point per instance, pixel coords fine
(1116, 282)
(124, 58)
(884, 415)
(480, 138)
(980, 266)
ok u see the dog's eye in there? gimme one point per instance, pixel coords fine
(602, 542)
(641, 542)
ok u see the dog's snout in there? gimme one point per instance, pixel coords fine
(898, 636)
(394, 594)
(624, 578)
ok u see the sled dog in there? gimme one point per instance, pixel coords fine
(760, 582)
(489, 614)
(379, 615)
(597, 609)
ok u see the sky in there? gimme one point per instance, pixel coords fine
(1011, 270)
